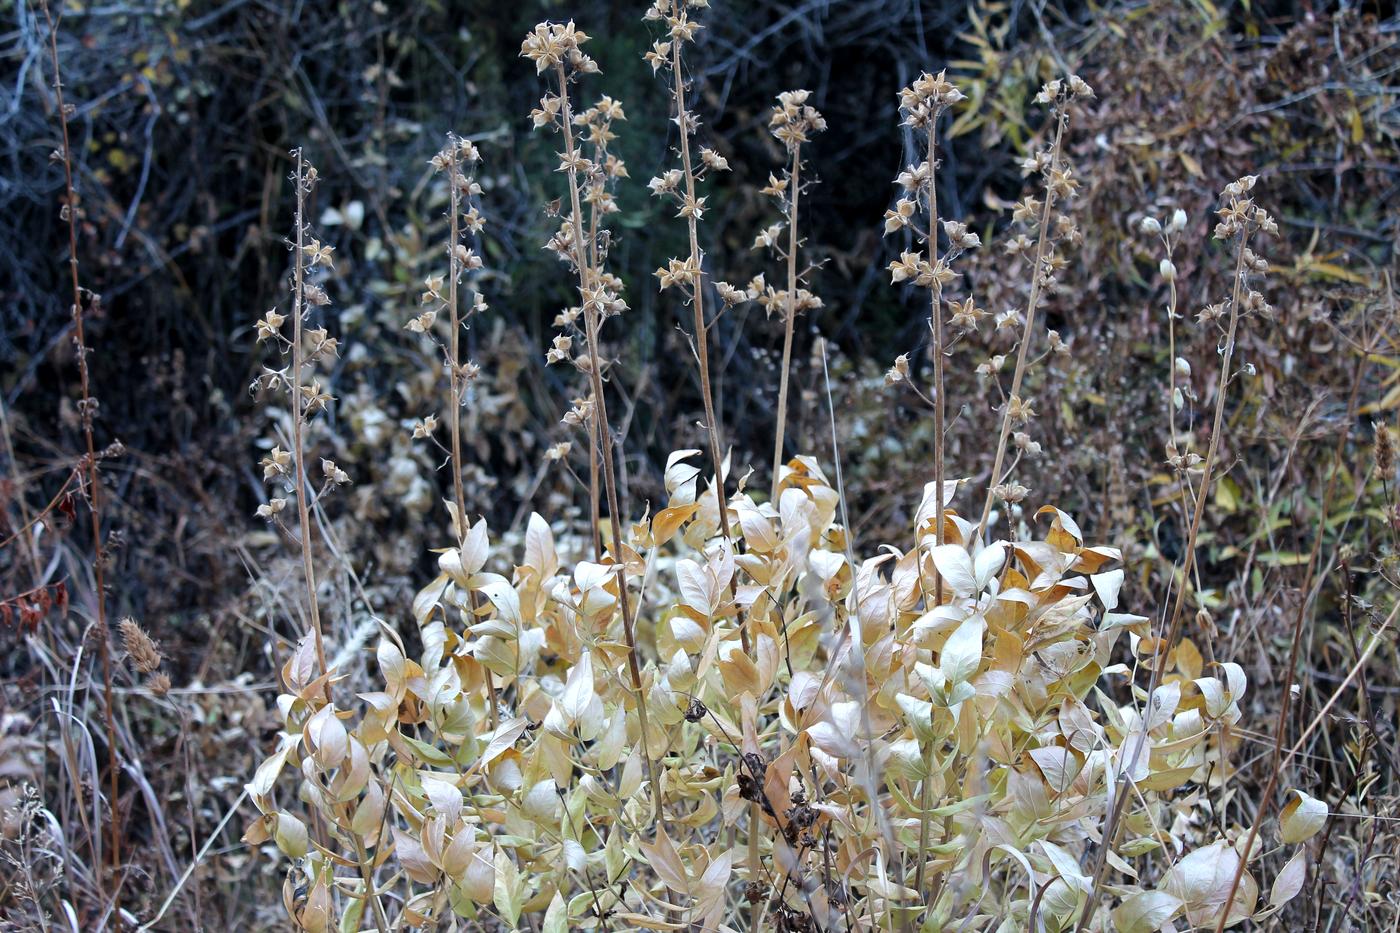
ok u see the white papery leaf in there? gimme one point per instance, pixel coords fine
(445, 796)
(955, 566)
(539, 547)
(962, 652)
(266, 776)
(1202, 879)
(988, 563)
(694, 586)
(504, 598)
(1301, 818)
(1162, 707)
(930, 506)
(1107, 585)
(1067, 866)
(1290, 879)
(1146, 912)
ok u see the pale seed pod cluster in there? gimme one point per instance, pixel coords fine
(552, 45)
(924, 101)
(792, 122)
(914, 213)
(1240, 220)
(297, 378)
(581, 242)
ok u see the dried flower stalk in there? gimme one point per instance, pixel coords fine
(88, 469)
(558, 48)
(1059, 183)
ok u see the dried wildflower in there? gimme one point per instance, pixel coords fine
(959, 238)
(900, 217)
(277, 464)
(551, 45)
(424, 427)
(925, 99)
(915, 178)
(333, 474)
(1212, 313)
(563, 347)
(899, 372)
(139, 646)
(713, 160)
(794, 121)
(271, 508)
(1010, 493)
(270, 325)
(1384, 450)
(966, 315)
(908, 266)
(731, 295)
(1019, 410)
(1182, 461)
(666, 183)
(158, 683)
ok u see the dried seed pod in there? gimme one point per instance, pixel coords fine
(139, 646)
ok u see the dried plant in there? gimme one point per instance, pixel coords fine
(979, 716)
(303, 352)
(680, 186)
(87, 474)
(1040, 218)
(615, 685)
(145, 656)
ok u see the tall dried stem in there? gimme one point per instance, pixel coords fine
(454, 357)
(789, 312)
(304, 179)
(702, 351)
(461, 260)
(1013, 400)
(922, 103)
(87, 408)
(592, 313)
(1241, 218)
(936, 330)
(690, 208)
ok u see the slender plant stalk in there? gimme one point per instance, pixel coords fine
(1163, 648)
(702, 355)
(594, 519)
(702, 351)
(587, 278)
(308, 565)
(87, 406)
(454, 362)
(366, 867)
(936, 328)
(1022, 352)
(456, 380)
(790, 315)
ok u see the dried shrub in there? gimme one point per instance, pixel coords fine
(964, 725)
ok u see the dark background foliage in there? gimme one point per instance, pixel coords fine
(186, 114)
